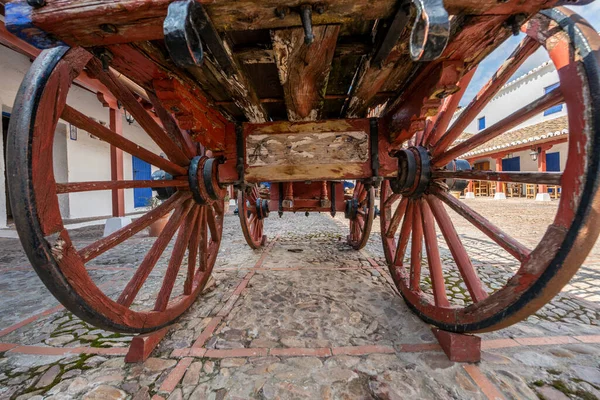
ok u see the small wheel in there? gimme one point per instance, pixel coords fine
(419, 199)
(252, 211)
(360, 210)
(154, 293)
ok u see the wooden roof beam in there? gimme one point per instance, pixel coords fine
(304, 69)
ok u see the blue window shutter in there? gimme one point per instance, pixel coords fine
(553, 162)
(555, 109)
(142, 171)
(481, 123)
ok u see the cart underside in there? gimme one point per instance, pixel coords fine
(302, 95)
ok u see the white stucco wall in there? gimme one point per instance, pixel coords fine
(84, 159)
(527, 164)
(517, 95)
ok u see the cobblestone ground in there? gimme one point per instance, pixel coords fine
(306, 318)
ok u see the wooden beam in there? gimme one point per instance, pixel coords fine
(304, 69)
(259, 55)
(91, 23)
(223, 65)
(116, 164)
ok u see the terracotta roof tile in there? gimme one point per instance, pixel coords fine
(516, 138)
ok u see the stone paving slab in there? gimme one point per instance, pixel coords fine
(306, 318)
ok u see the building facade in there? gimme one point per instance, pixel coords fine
(540, 144)
(78, 155)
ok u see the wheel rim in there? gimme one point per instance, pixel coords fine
(361, 212)
(40, 102)
(251, 220)
(544, 270)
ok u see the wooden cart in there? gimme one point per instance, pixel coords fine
(301, 94)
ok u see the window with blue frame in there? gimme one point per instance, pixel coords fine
(481, 123)
(555, 109)
(511, 164)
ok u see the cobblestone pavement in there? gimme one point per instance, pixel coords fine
(307, 317)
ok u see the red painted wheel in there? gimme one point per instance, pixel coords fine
(252, 211)
(419, 198)
(360, 210)
(154, 293)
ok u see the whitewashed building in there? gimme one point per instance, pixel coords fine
(78, 156)
(545, 134)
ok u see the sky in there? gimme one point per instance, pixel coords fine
(490, 65)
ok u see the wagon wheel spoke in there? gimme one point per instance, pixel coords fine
(392, 199)
(397, 217)
(538, 178)
(416, 247)
(213, 224)
(463, 262)
(141, 115)
(101, 246)
(519, 251)
(177, 135)
(447, 111)
(181, 244)
(84, 122)
(525, 49)
(141, 274)
(433, 257)
(75, 187)
(203, 248)
(193, 248)
(405, 233)
(551, 99)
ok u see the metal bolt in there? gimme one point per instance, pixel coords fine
(281, 12)
(306, 17)
(320, 8)
(109, 28)
(36, 3)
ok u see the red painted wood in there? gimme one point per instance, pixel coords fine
(204, 242)
(73, 187)
(416, 247)
(193, 248)
(462, 259)
(405, 233)
(459, 347)
(449, 107)
(99, 247)
(116, 164)
(546, 178)
(525, 49)
(181, 244)
(143, 345)
(397, 217)
(129, 101)
(518, 117)
(433, 257)
(141, 274)
(542, 168)
(499, 185)
(84, 122)
(509, 244)
(177, 135)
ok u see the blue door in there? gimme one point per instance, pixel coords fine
(553, 162)
(141, 172)
(511, 164)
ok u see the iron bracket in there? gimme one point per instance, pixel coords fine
(431, 30)
(187, 28)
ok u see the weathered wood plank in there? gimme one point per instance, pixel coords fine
(93, 23)
(307, 148)
(304, 69)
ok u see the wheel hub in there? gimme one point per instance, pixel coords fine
(262, 208)
(414, 172)
(204, 180)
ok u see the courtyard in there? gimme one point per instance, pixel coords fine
(308, 317)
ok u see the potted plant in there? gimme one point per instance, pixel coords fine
(158, 225)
